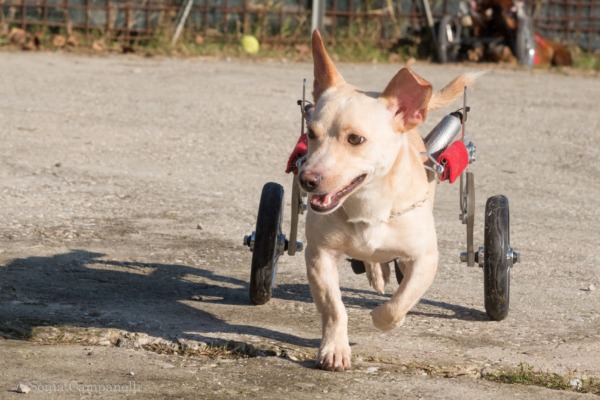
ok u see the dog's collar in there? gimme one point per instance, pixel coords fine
(411, 207)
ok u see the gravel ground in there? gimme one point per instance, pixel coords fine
(127, 184)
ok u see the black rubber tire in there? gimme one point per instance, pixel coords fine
(357, 266)
(525, 42)
(398, 271)
(496, 265)
(449, 46)
(265, 253)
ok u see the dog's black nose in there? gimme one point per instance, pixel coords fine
(309, 180)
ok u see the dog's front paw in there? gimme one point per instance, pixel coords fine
(334, 357)
(385, 318)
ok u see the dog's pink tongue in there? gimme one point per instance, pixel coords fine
(321, 200)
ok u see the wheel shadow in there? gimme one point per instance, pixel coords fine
(369, 299)
(458, 312)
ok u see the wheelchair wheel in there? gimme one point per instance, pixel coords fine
(269, 243)
(398, 271)
(448, 36)
(358, 267)
(497, 258)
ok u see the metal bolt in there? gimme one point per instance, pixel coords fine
(516, 257)
(480, 256)
(471, 151)
(249, 240)
(281, 243)
(302, 207)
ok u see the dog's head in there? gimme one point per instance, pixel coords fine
(355, 137)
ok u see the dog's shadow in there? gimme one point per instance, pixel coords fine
(85, 289)
(369, 299)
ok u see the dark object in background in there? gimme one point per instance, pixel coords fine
(496, 31)
(503, 22)
(548, 53)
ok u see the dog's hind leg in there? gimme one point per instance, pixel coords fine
(378, 275)
(321, 267)
(418, 276)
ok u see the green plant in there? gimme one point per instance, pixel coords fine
(526, 375)
(586, 60)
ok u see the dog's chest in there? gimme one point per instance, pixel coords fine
(377, 243)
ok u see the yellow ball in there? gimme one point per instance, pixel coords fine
(250, 44)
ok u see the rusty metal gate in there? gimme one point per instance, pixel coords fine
(570, 21)
(379, 22)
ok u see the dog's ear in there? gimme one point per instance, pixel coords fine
(407, 96)
(326, 74)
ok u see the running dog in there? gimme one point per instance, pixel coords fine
(371, 198)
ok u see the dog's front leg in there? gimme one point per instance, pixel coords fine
(334, 353)
(418, 276)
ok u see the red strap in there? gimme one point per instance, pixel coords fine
(454, 159)
(298, 152)
(539, 40)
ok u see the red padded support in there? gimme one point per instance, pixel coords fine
(299, 152)
(454, 159)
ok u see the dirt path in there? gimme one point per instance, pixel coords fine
(127, 185)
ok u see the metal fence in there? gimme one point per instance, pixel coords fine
(379, 22)
(570, 21)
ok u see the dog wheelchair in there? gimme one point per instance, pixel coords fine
(447, 159)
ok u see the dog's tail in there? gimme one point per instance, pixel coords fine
(452, 91)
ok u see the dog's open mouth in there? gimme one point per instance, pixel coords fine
(329, 201)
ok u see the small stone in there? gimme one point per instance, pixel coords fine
(190, 345)
(575, 383)
(196, 297)
(305, 385)
(199, 227)
(21, 388)
(371, 370)
(591, 287)
(125, 343)
(131, 373)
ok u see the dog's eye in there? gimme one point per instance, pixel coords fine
(311, 134)
(355, 139)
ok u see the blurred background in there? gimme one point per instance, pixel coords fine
(362, 29)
